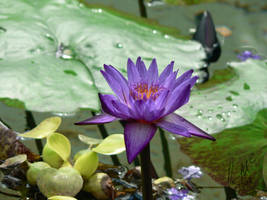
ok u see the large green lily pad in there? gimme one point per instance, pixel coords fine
(235, 159)
(232, 103)
(52, 52)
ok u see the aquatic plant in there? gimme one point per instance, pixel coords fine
(248, 55)
(146, 101)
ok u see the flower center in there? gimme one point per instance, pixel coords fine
(142, 91)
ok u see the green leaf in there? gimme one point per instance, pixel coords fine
(61, 198)
(44, 129)
(64, 47)
(111, 145)
(60, 144)
(235, 159)
(228, 104)
(86, 164)
(15, 160)
(89, 140)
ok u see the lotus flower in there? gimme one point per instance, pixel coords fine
(146, 101)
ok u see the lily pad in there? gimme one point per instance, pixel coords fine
(111, 145)
(44, 129)
(52, 52)
(231, 103)
(235, 159)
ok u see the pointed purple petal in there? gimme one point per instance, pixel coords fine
(178, 98)
(192, 129)
(105, 100)
(152, 73)
(136, 137)
(132, 72)
(173, 128)
(166, 72)
(118, 77)
(184, 77)
(98, 119)
(114, 85)
(141, 68)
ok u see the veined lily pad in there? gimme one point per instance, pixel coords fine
(233, 103)
(111, 145)
(235, 159)
(52, 52)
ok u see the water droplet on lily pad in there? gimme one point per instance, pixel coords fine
(219, 107)
(166, 36)
(220, 117)
(2, 30)
(64, 52)
(49, 37)
(210, 110)
(229, 98)
(209, 118)
(246, 86)
(234, 92)
(235, 105)
(119, 45)
(154, 31)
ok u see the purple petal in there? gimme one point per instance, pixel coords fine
(152, 73)
(141, 68)
(184, 77)
(105, 100)
(178, 98)
(121, 109)
(166, 72)
(98, 119)
(173, 128)
(136, 137)
(132, 72)
(192, 129)
(115, 74)
(114, 85)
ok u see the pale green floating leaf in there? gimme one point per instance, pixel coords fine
(60, 144)
(15, 160)
(47, 78)
(113, 144)
(51, 157)
(61, 198)
(89, 140)
(86, 164)
(44, 129)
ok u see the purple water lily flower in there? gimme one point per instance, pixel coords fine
(248, 54)
(146, 101)
(174, 194)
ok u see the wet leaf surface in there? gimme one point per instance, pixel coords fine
(235, 159)
(65, 45)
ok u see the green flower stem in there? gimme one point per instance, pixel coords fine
(142, 8)
(166, 153)
(146, 173)
(30, 125)
(104, 134)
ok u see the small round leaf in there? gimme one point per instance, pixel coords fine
(61, 198)
(89, 140)
(44, 129)
(60, 144)
(113, 144)
(87, 163)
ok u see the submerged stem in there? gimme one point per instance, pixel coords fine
(146, 173)
(30, 125)
(166, 153)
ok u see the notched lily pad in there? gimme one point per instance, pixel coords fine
(235, 159)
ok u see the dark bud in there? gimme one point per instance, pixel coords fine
(206, 35)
